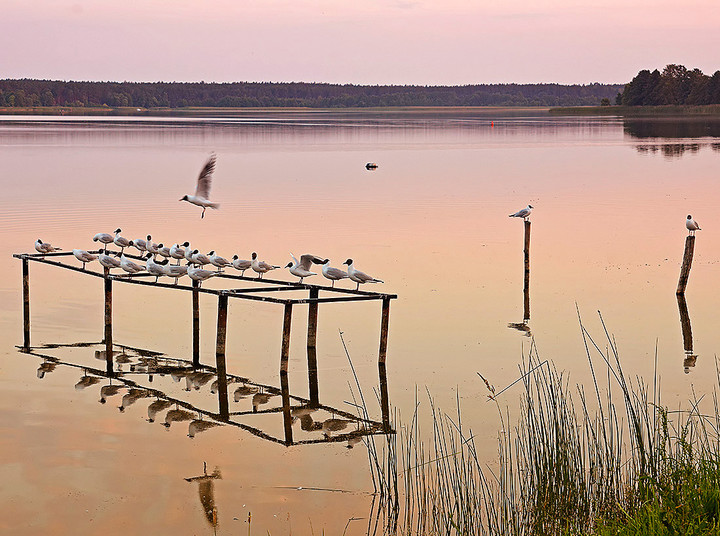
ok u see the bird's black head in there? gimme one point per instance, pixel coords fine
(195, 251)
(186, 244)
(132, 242)
(289, 265)
(212, 252)
(160, 246)
(118, 230)
(254, 255)
(530, 206)
(40, 241)
(184, 198)
(149, 237)
(325, 261)
(348, 262)
(689, 217)
(235, 257)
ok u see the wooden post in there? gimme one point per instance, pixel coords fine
(108, 323)
(384, 399)
(312, 349)
(384, 330)
(285, 351)
(287, 417)
(220, 356)
(686, 264)
(526, 285)
(685, 324)
(196, 323)
(26, 304)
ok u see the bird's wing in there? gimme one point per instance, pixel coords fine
(205, 179)
(307, 259)
(295, 260)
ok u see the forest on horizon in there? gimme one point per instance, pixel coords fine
(21, 93)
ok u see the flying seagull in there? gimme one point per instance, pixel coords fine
(692, 225)
(202, 192)
(524, 213)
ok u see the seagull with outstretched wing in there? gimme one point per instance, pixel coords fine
(202, 192)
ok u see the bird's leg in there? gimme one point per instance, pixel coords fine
(333, 284)
(357, 287)
(203, 213)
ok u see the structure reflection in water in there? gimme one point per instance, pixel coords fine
(206, 492)
(690, 358)
(179, 390)
(524, 326)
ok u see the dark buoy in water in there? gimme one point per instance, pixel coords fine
(371, 165)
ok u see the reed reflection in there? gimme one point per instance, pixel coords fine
(690, 358)
(179, 395)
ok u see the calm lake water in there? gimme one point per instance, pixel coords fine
(610, 198)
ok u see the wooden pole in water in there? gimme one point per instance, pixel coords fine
(26, 304)
(220, 356)
(196, 323)
(108, 322)
(285, 351)
(686, 264)
(287, 417)
(384, 330)
(526, 285)
(685, 324)
(312, 349)
(384, 399)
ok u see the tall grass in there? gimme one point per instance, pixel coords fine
(597, 459)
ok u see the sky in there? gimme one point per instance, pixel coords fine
(424, 42)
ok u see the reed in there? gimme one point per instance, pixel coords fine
(606, 458)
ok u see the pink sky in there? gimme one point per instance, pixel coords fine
(366, 42)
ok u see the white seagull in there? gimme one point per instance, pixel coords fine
(217, 260)
(121, 241)
(129, 266)
(302, 268)
(152, 247)
(104, 238)
(358, 276)
(189, 253)
(261, 267)
(200, 258)
(177, 251)
(44, 247)
(199, 274)
(164, 251)
(84, 256)
(333, 274)
(108, 262)
(241, 264)
(523, 213)
(202, 191)
(154, 268)
(692, 225)
(175, 270)
(140, 244)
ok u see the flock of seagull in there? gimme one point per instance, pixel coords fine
(158, 259)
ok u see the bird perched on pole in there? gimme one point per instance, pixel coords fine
(692, 225)
(523, 213)
(202, 191)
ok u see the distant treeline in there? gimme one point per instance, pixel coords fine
(674, 85)
(27, 93)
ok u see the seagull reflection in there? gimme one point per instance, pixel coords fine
(131, 397)
(334, 425)
(177, 415)
(206, 492)
(521, 326)
(106, 391)
(199, 425)
(259, 399)
(86, 381)
(244, 391)
(45, 368)
(196, 380)
(156, 407)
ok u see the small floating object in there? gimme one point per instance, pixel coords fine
(371, 165)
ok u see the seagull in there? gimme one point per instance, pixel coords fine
(199, 258)
(189, 253)
(202, 191)
(104, 238)
(175, 270)
(241, 264)
(44, 247)
(199, 274)
(83, 256)
(358, 276)
(152, 247)
(177, 251)
(334, 274)
(524, 213)
(154, 268)
(108, 262)
(217, 260)
(691, 225)
(302, 268)
(164, 251)
(121, 241)
(140, 244)
(261, 267)
(129, 266)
